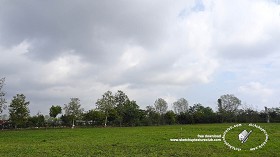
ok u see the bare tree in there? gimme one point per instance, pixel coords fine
(228, 103)
(180, 106)
(227, 106)
(2, 96)
(161, 106)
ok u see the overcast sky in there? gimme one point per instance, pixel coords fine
(193, 49)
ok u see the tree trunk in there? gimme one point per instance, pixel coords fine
(105, 124)
(73, 125)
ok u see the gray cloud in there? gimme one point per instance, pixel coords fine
(98, 30)
(54, 50)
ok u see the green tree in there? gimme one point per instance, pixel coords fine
(66, 120)
(184, 118)
(153, 117)
(105, 104)
(18, 110)
(113, 117)
(180, 105)
(143, 117)
(2, 96)
(121, 99)
(247, 115)
(73, 109)
(170, 117)
(131, 113)
(94, 117)
(160, 106)
(55, 110)
(201, 114)
(36, 121)
(274, 114)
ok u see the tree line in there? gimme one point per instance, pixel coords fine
(116, 109)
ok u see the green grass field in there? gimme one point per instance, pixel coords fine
(136, 141)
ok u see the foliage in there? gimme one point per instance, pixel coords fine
(131, 113)
(201, 114)
(170, 117)
(119, 110)
(36, 121)
(160, 106)
(55, 110)
(66, 120)
(94, 117)
(106, 103)
(227, 107)
(229, 103)
(121, 100)
(180, 105)
(18, 110)
(153, 117)
(274, 114)
(73, 109)
(184, 118)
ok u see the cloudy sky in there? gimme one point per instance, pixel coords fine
(196, 49)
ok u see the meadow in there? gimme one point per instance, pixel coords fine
(135, 141)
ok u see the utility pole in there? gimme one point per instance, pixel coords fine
(267, 114)
(221, 109)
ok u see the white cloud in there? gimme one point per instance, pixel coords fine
(147, 49)
(133, 56)
(246, 29)
(62, 69)
(257, 90)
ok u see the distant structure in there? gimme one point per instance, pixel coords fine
(267, 114)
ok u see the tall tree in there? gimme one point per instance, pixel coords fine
(2, 96)
(229, 103)
(153, 117)
(55, 110)
(170, 117)
(105, 104)
(94, 117)
(160, 105)
(121, 100)
(131, 113)
(227, 106)
(73, 109)
(181, 105)
(36, 121)
(19, 111)
(201, 114)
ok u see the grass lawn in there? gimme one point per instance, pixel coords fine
(136, 141)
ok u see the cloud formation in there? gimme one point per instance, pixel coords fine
(54, 50)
